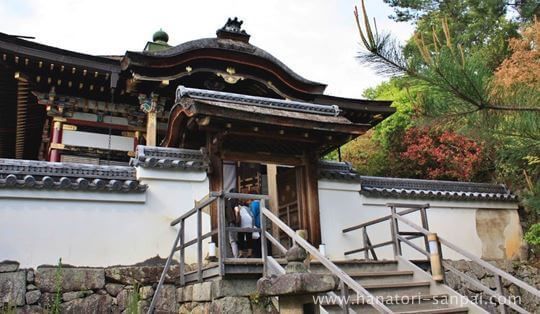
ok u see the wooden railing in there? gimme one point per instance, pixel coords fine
(346, 281)
(270, 265)
(423, 231)
(397, 236)
(180, 244)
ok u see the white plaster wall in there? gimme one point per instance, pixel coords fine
(98, 229)
(342, 206)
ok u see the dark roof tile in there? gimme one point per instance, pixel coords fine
(195, 93)
(415, 188)
(31, 174)
(171, 158)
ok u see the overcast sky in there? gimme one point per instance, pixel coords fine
(315, 38)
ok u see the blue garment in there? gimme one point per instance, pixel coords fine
(255, 207)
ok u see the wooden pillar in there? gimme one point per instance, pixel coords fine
(271, 173)
(215, 176)
(56, 139)
(149, 105)
(136, 140)
(151, 128)
(302, 197)
(311, 185)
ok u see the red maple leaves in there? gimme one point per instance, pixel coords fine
(436, 154)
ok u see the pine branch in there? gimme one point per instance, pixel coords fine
(385, 55)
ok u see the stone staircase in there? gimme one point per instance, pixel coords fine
(400, 285)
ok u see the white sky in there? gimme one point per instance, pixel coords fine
(315, 38)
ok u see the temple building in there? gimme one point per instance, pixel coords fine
(59, 105)
(112, 160)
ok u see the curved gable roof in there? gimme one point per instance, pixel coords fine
(173, 60)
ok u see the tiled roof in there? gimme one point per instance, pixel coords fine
(31, 174)
(415, 188)
(195, 93)
(139, 58)
(165, 157)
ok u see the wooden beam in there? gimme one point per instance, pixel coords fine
(268, 134)
(256, 157)
(308, 123)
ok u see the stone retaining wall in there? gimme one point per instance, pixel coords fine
(120, 289)
(523, 271)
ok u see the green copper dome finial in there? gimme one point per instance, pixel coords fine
(160, 36)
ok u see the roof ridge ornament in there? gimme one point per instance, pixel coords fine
(233, 30)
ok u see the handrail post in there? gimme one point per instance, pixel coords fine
(164, 274)
(499, 287)
(437, 272)
(199, 245)
(423, 217)
(364, 237)
(223, 235)
(344, 297)
(394, 230)
(182, 253)
(264, 247)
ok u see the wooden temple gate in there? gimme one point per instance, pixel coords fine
(287, 138)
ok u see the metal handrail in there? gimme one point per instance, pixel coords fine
(333, 268)
(494, 270)
(475, 259)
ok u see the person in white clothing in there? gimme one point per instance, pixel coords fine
(245, 238)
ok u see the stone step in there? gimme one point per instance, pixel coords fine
(408, 288)
(413, 304)
(373, 277)
(439, 311)
(392, 276)
(357, 266)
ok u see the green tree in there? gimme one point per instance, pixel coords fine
(413, 10)
(455, 64)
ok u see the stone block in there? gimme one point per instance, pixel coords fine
(296, 284)
(202, 292)
(95, 303)
(166, 299)
(123, 297)
(143, 305)
(233, 288)
(9, 266)
(179, 295)
(72, 279)
(30, 276)
(31, 287)
(33, 296)
(70, 296)
(143, 275)
(146, 292)
(46, 300)
(187, 293)
(31, 309)
(237, 305)
(201, 308)
(13, 288)
(113, 288)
